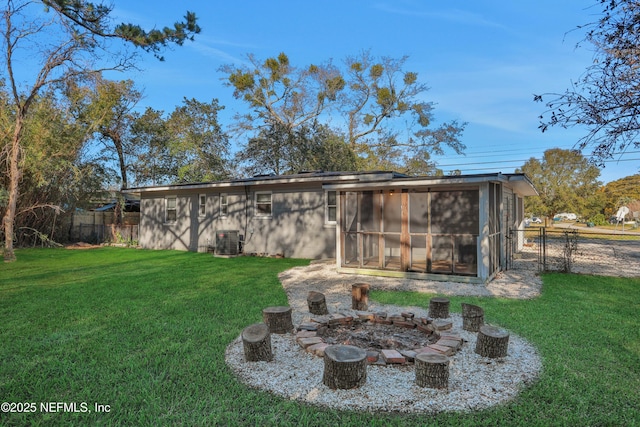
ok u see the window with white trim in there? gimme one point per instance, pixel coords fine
(202, 205)
(224, 204)
(263, 204)
(171, 214)
(331, 207)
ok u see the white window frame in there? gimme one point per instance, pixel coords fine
(167, 209)
(224, 207)
(257, 212)
(327, 220)
(202, 205)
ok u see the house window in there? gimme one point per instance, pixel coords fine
(331, 207)
(202, 205)
(263, 204)
(170, 209)
(224, 204)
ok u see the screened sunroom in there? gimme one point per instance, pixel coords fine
(429, 227)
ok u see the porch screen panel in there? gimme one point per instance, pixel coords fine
(418, 213)
(441, 253)
(418, 253)
(370, 213)
(418, 230)
(455, 228)
(349, 222)
(391, 227)
(392, 251)
(455, 212)
(466, 254)
(392, 217)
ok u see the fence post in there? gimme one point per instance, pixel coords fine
(542, 252)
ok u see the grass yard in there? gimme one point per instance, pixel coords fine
(144, 332)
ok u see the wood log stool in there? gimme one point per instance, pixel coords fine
(439, 308)
(360, 296)
(492, 342)
(278, 319)
(317, 303)
(432, 370)
(345, 367)
(256, 341)
(472, 317)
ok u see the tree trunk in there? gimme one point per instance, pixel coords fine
(256, 341)
(278, 319)
(317, 303)
(439, 308)
(14, 181)
(345, 367)
(432, 370)
(360, 296)
(472, 317)
(492, 342)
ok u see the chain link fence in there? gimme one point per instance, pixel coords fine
(575, 250)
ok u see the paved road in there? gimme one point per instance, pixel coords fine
(581, 228)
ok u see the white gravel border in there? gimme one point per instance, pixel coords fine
(474, 382)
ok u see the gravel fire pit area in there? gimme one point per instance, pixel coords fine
(296, 369)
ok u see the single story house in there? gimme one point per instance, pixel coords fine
(381, 223)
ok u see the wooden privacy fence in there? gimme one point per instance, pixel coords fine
(100, 227)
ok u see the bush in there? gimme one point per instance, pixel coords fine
(598, 219)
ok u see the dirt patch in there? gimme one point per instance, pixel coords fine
(82, 245)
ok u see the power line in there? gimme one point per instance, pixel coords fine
(526, 160)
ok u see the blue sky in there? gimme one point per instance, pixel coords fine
(482, 60)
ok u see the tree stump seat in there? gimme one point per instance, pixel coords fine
(360, 296)
(345, 367)
(256, 341)
(317, 303)
(472, 317)
(492, 342)
(432, 370)
(439, 308)
(278, 319)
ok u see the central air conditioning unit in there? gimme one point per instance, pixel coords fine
(227, 242)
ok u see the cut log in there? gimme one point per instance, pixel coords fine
(317, 303)
(345, 367)
(278, 319)
(256, 341)
(432, 370)
(472, 317)
(492, 342)
(439, 308)
(360, 296)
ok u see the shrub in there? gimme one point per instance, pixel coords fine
(598, 219)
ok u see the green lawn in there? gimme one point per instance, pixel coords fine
(145, 332)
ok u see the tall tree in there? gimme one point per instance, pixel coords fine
(280, 95)
(152, 163)
(621, 192)
(566, 182)
(55, 177)
(276, 150)
(68, 39)
(606, 98)
(187, 146)
(379, 93)
(374, 97)
(198, 145)
(106, 108)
